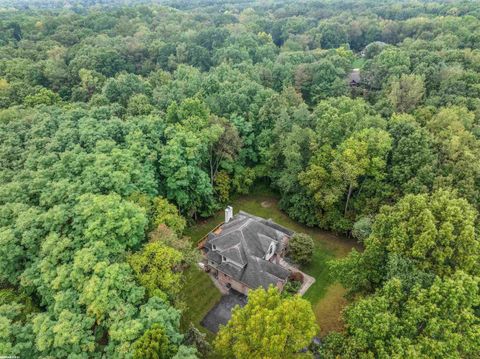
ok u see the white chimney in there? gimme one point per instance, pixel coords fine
(228, 214)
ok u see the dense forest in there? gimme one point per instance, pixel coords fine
(121, 122)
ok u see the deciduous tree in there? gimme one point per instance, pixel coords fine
(269, 326)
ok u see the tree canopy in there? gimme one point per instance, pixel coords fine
(269, 326)
(121, 123)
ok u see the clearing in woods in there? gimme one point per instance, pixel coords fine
(326, 296)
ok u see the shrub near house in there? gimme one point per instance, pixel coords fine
(300, 248)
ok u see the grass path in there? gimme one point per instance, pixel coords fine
(325, 295)
(328, 310)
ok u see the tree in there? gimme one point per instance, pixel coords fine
(222, 186)
(391, 61)
(269, 326)
(110, 288)
(300, 248)
(332, 35)
(334, 174)
(457, 147)
(42, 97)
(109, 218)
(138, 105)
(406, 92)
(184, 156)
(436, 233)
(16, 333)
(433, 322)
(320, 80)
(167, 214)
(362, 228)
(413, 162)
(124, 87)
(197, 339)
(157, 268)
(338, 118)
(153, 344)
(163, 234)
(225, 149)
(363, 154)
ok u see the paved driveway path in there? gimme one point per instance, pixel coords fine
(221, 313)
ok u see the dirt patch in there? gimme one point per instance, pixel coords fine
(328, 310)
(266, 204)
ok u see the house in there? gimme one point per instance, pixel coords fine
(354, 78)
(244, 252)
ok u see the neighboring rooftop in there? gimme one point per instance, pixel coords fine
(240, 248)
(354, 77)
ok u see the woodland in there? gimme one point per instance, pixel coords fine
(124, 122)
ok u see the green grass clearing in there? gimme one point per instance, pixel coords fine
(201, 295)
(358, 63)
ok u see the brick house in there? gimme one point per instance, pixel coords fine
(244, 252)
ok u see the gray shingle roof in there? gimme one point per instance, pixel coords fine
(244, 242)
(354, 76)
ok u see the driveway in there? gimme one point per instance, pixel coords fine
(221, 313)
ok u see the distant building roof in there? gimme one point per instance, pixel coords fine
(238, 248)
(354, 77)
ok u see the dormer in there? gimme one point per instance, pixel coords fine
(270, 251)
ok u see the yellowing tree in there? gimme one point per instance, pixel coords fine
(269, 326)
(157, 269)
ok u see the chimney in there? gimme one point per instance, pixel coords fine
(228, 214)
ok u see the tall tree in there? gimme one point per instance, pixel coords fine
(406, 92)
(157, 268)
(435, 232)
(433, 322)
(269, 326)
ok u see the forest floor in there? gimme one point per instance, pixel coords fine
(326, 296)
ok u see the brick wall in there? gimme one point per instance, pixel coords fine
(224, 279)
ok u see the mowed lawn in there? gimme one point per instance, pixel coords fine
(326, 297)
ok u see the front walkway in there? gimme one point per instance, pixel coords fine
(307, 280)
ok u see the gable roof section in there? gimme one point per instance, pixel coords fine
(244, 241)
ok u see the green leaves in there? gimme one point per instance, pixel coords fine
(269, 326)
(435, 321)
(334, 174)
(300, 248)
(157, 268)
(437, 232)
(406, 92)
(110, 288)
(153, 344)
(109, 218)
(434, 234)
(185, 154)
